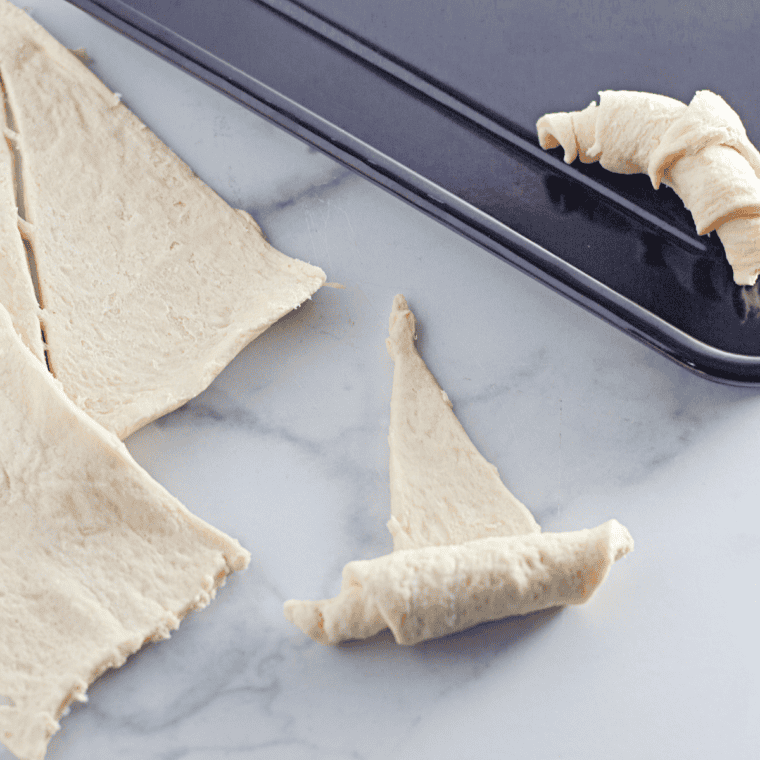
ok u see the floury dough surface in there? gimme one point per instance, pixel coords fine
(465, 550)
(701, 150)
(96, 558)
(150, 283)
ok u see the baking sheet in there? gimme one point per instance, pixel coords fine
(437, 101)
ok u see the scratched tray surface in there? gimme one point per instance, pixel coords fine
(437, 100)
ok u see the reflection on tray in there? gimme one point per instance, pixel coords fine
(747, 302)
(686, 272)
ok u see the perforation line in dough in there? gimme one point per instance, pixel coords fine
(25, 228)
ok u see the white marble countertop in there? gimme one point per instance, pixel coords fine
(287, 451)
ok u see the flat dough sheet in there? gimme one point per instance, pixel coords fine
(466, 551)
(96, 558)
(149, 282)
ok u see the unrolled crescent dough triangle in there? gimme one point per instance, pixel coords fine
(96, 558)
(465, 550)
(443, 491)
(149, 282)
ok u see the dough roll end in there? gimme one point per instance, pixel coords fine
(741, 240)
(308, 617)
(556, 129)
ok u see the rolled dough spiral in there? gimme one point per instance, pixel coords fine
(701, 150)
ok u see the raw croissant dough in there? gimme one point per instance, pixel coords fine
(149, 282)
(700, 150)
(465, 550)
(434, 467)
(96, 558)
(16, 289)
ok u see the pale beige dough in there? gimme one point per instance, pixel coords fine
(16, 289)
(466, 551)
(433, 591)
(96, 558)
(150, 283)
(443, 491)
(701, 150)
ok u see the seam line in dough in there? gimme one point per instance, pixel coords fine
(24, 217)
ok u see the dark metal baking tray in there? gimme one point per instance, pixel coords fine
(436, 101)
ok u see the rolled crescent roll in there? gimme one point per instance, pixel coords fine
(466, 551)
(701, 150)
(425, 593)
